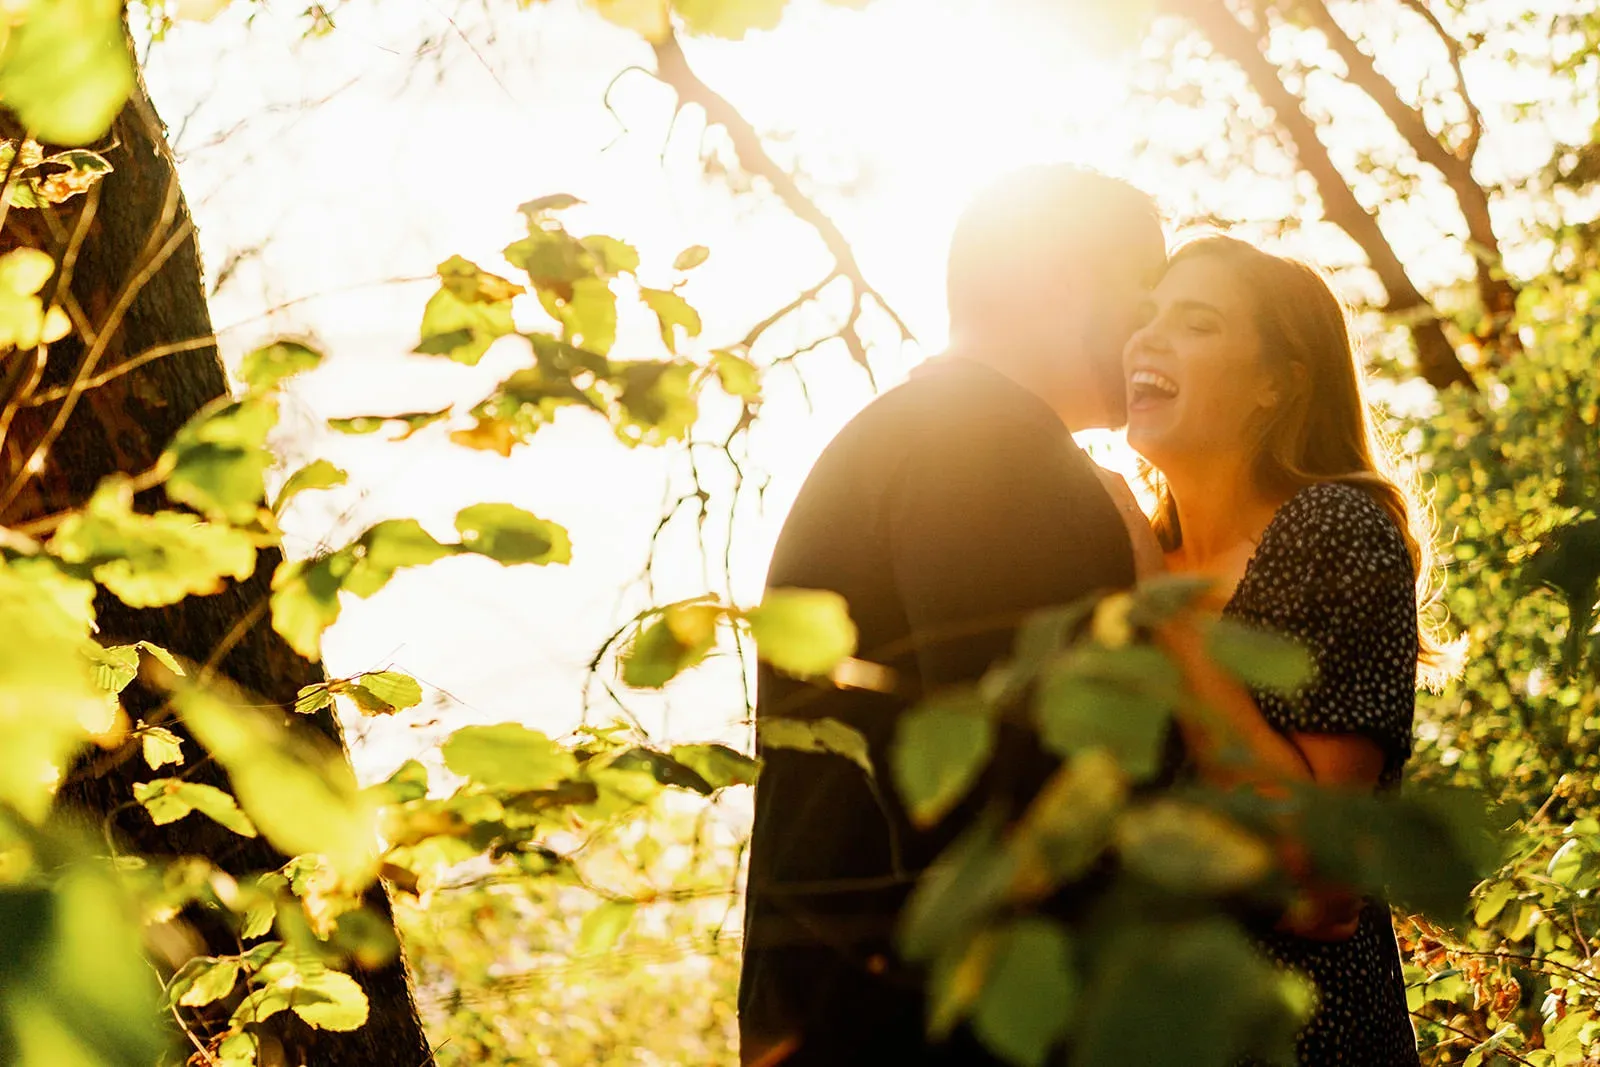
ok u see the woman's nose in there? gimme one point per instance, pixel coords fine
(1148, 338)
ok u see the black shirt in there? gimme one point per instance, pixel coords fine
(945, 513)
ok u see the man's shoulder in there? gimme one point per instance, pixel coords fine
(948, 401)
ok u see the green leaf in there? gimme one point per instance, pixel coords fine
(587, 311)
(301, 795)
(460, 329)
(940, 749)
(544, 205)
(691, 257)
(318, 474)
(959, 893)
(553, 258)
(1373, 842)
(658, 401)
(1493, 902)
(471, 284)
(238, 1049)
(737, 375)
(603, 926)
(509, 535)
(816, 735)
(66, 70)
(220, 457)
(203, 981)
(161, 746)
(218, 806)
(1186, 849)
(508, 756)
(674, 313)
(151, 561)
(731, 19)
(648, 18)
(170, 799)
(1220, 1000)
(389, 546)
(114, 668)
(408, 422)
(305, 601)
(719, 765)
(267, 367)
(677, 641)
(660, 766)
(1117, 699)
(386, 692)
(1260, 659)
(24, 322)
(49, 702)
(262, 909)
(339, 1004)
(613, 256)
(804, 632)
(1068, 826)
(161, 656)
(1028, 1000)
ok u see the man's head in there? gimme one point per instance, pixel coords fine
(1048, 270)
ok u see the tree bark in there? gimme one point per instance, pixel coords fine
(1495, 291)
(122, 426)
(1437, 360)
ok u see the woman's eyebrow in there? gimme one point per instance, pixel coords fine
(1196, 305)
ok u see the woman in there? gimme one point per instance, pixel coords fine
(1245, 395)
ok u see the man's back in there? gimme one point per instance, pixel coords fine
(948, 511)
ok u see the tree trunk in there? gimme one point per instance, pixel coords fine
(123, 425)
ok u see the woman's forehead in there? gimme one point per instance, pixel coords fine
(1205, 280)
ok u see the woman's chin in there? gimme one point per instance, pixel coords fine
(1148, 440)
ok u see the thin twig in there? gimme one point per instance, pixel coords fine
(672, 68)
(1469, 148)
(127, 366)
(108, 329)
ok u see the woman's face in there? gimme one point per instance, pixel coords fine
(1194, 369)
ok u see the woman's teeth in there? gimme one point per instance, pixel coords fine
(1154, 384)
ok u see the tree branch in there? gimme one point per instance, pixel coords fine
(1498, 295)
(1469, 148)
(673, 69)
(1436, 356)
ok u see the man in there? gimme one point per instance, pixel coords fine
(950, 509)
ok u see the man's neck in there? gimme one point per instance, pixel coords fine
(994, 358)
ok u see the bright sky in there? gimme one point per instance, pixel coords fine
(340, 163)
(400, 163)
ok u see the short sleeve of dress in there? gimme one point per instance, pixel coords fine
(1345, 586)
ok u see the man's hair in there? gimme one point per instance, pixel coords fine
(1037, 219)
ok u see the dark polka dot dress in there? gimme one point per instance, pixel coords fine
(1332, 570)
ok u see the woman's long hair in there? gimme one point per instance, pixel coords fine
(1322, 430)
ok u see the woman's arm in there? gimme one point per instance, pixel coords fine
(1269, 759)
(1235, 745)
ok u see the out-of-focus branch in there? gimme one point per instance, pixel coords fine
(1469, 148)
(1436, 356)
(1498, 295)
(673, 69)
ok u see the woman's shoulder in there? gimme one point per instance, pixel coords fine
(1337, 524)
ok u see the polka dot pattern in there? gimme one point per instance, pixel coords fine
(1332, 571)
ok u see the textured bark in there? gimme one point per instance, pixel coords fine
(1437, 359)
(123, 425)
(1497, 294)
